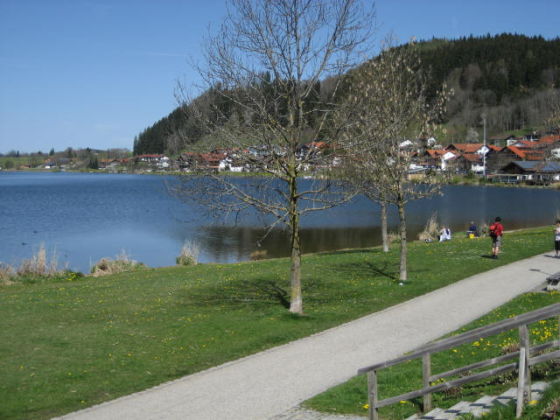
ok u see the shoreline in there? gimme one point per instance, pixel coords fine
(463, 180)
(66, 272)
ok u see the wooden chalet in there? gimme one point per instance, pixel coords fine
(538, 172)
(498, 160)
(469, 162)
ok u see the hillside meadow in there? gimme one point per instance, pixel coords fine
(70, 344)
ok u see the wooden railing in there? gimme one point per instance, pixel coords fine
(523, 361)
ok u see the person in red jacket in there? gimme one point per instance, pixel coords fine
(496, 230)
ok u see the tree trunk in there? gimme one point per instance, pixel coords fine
(384, 235)
(402, 232)
(296, 300)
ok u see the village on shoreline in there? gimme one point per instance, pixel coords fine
(531, 160)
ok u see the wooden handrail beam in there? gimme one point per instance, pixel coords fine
(448, 343)
(544, 357)
(447, 385)
(493, 361)
(477, 365)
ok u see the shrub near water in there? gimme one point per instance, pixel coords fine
(431, 230)
(120, 264)
(259, 254)
(189, 254)
(39, 264)
(37, 269)
(7, 273)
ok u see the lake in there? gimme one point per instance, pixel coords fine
(84, 217)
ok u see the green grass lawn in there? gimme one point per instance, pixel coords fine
(67, 345)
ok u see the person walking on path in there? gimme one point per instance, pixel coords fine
(557, 238)
(496, 231)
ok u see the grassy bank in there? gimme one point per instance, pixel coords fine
(351, 397)
(66, 345)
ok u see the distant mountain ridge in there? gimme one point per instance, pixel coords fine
(513, 80)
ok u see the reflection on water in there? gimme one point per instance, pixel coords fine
(85, 217)
(357, 224)
(235, 243)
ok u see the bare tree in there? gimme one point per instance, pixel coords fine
(352, 172)
(387, 104)
(266, 106)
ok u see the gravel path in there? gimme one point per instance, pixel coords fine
(300, 413)
(272, 384)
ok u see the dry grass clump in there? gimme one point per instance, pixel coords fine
(510, 348)
(259, 254)
(189, 254)
(431, 230)
(552, 410)
(39, 265)
(484, 229)
(121, 263)
(7, 273)
(393, 237)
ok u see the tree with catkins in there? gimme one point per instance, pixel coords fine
(386, 105)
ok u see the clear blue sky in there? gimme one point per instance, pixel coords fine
(94, 73)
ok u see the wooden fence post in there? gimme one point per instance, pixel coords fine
(524, 382)
(520, 384)
(527, 344)
(426, 373)
(372, 395)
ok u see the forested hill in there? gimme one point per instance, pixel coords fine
(513, 79)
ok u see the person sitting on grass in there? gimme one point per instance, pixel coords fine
(473, 230)
(445, 234)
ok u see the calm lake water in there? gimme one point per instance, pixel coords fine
(85, 217)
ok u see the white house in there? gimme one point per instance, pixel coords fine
(163, 162)
(446, 158)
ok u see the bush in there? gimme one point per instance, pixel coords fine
(258, 255)
(189, 254)
(38, 265)
(431, 230)
(393, 237)
(552, 409)
(120, 264)
(7, 273)
(36, 269)
(484, 229)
